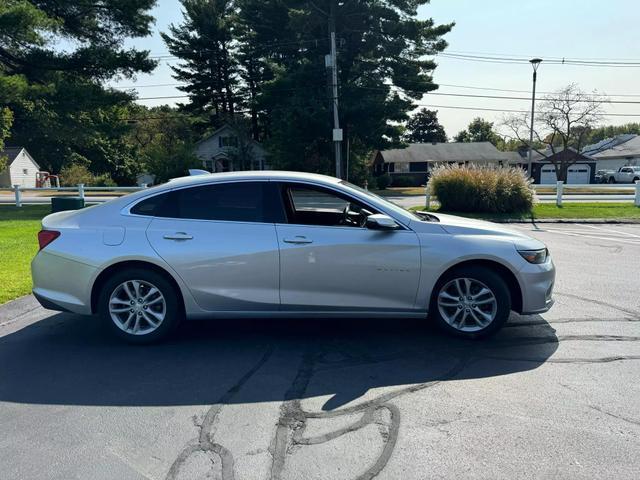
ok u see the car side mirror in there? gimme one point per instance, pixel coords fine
(381, 222)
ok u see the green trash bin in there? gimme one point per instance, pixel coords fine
(60, 204)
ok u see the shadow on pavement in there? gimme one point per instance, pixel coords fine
(71, 360)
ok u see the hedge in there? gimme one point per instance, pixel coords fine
(482, 189)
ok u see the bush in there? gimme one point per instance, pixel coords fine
(384, 181)
(403, 181)
(482, 189)
(73, 174)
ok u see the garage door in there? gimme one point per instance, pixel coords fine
(577, 174)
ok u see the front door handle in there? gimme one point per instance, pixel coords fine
(299, 239)
(178, 236)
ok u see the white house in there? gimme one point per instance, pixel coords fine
(218, 151)
(616, 152)
(21, 168)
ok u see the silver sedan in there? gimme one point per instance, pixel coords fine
(263, 244)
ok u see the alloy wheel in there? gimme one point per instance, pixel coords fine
(137, 307)
(467, 304)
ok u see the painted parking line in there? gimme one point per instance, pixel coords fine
(616, 231)
(580, 231)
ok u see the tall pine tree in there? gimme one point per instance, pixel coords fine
(204, 42)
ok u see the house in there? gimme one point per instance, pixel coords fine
(616, 152)
(21, 168)
(543, 170)
(418, 159)
(224, 149)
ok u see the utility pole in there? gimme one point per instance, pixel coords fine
(535, 62)
(332, 62)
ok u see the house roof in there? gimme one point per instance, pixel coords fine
(449, 152)
(538, 157)
(608, 143)
(13, 152)
(629, 148)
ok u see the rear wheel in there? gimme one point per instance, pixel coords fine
(612, 180)
(471, 302)
(139, 306)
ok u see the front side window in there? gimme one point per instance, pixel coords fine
(310, 205)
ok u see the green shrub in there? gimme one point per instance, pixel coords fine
(403, 181)
(482, 189)
(384, 181)
(73, 174)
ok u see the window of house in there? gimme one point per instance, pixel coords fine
(229, 141)
(418, 167)
(25, 171)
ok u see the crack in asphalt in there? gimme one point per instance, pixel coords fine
(293, 418)
(290, 430)
(204, 443)
(599, 302)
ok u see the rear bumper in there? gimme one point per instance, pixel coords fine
(62, 284)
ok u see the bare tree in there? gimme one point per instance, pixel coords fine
(560, 128)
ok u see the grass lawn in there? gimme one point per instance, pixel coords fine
(399, 191)
(601, 210)
(18, 245)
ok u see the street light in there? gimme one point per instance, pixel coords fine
(535, 62)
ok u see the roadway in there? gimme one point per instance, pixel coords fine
(550, 396)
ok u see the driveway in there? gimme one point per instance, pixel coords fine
(556, 395)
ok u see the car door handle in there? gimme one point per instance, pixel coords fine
(178, 236)
(297, 240)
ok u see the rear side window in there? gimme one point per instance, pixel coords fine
(156, 206)
(235, 202)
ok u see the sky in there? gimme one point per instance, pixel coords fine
(572, 29)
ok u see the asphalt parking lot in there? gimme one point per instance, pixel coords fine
(551, 396)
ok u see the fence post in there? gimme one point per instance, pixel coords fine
(81, 190)
(559, 187)
(637, 202)
(18, 193)
(427, 194)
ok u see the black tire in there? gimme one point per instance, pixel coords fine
(173, 305)
(636, 179)
(492, 281)
(611, 180)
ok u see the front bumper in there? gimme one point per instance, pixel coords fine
(62, 284)
(537, 282)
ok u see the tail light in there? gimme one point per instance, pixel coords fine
(45, 237)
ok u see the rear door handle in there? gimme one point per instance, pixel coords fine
(297, 240)
(178, 236)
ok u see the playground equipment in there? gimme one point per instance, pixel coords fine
(46, 180)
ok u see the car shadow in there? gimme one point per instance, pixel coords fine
(71, 360)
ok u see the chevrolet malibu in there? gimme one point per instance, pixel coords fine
(263, 244)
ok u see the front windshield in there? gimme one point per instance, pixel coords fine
(391, 206)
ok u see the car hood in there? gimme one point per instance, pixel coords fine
(469, 226)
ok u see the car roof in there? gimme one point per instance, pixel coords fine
(249, 175)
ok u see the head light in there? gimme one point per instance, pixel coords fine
(535, 256)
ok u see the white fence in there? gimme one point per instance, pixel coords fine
(81, 189)
(597, 189)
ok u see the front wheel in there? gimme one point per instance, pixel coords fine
(139, 306)
(471, 302)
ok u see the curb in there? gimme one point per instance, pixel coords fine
(609, 221)
(14, 309)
